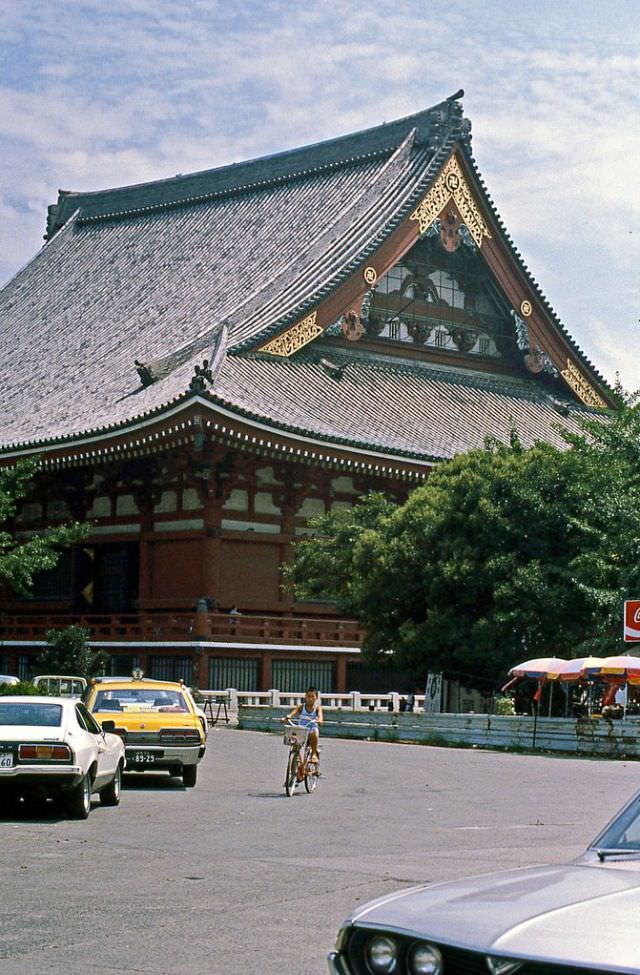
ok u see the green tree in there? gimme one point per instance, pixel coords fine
(68, 652)
(324, 566)
(503, 554)
(608, 571)
(21, 558)
(473, 573)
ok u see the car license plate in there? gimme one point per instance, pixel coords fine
(6, 759)
(143, 758)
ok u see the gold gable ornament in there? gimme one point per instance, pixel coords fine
(581, 386)
(294, 338)
(451, 185)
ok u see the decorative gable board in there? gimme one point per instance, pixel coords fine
(445, 279)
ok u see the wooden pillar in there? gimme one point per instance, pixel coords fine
(341, 674)
(202, 629)
(210, 575)
(289, 498)
(211, 549)
(201, 670)
(146, 497)
(145, 578)
(265, 671)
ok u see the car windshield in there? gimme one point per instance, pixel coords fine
(37, 715)
(624, 832)
(60, 686)
(140, 699)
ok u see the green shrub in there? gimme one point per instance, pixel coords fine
(504, 705)
(69, 652)
(23, 687)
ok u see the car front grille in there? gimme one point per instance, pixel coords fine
(456, 961)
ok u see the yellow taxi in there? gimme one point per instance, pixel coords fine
(156, 719)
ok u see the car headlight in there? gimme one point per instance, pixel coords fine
(381, 955)
(425, 960)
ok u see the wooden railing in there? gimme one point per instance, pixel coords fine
(160, 627)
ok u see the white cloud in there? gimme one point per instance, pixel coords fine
(96, 94)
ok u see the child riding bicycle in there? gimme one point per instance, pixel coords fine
(309, 715)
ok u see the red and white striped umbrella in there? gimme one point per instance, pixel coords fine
(579, 668)
(622, 665)
(542, 668)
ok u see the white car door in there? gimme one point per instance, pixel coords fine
(106, 757)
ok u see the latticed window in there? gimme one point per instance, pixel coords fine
(171, 668)
(443, 300)
(294, 676)
(393, 326)
(240, 673)
(123, 664)
(26, 666)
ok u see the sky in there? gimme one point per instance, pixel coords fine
(102, 93)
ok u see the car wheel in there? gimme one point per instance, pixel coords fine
(78, 800)
(10, 803)
(189, 776)
(110, 795)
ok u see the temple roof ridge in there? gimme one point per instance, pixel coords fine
(431, 125)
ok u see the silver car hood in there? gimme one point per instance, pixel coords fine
(587, 915)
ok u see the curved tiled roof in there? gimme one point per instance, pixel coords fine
(415, 409)
(171, 272)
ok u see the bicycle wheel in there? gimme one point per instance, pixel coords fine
(290, 782)
(310, 774)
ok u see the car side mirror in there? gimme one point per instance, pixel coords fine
(108, 726)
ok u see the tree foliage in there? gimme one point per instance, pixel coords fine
(324, 566)
(504, 553)
(22, 687)
(68, 652)
(21, 558)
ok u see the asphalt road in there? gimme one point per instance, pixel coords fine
(233, 877)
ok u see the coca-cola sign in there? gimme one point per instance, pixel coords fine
(632, 621)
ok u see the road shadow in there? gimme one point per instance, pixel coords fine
(275, 795)
(45, 811)
(141, 781)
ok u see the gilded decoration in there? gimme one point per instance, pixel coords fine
(370, 275)
(451, 185)
(294, 338)
(526, 308)
(583, 389)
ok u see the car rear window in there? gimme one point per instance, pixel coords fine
(37, 715)
(140, 699)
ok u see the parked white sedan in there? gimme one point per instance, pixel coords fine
(52, 747)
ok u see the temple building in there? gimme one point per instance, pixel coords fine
(201, 363)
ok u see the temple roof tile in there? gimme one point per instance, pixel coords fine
(141, 290)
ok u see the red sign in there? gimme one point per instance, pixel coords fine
(632, 621)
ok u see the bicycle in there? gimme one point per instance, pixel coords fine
(300, 768)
